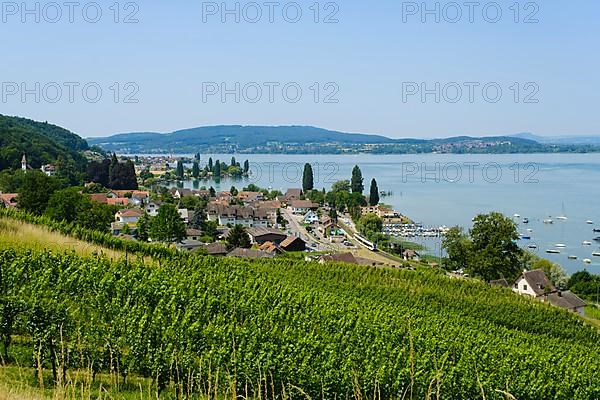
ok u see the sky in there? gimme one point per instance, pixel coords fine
(400, 69)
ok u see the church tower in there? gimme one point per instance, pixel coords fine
(24, 163)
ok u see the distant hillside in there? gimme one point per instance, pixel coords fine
(301, 139)
(41, 142)
(561, 140)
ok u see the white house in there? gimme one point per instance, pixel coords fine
(235, 215)
(311, 217)
(128, 216)
(185, 216)
(49, 170)
(533, 283)
(152, 209)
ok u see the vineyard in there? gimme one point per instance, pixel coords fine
(203, 327)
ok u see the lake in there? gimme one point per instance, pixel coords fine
(443, 189)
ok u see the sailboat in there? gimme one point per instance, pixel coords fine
(562, 216)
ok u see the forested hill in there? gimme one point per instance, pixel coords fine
(312, 140)
(41, 142)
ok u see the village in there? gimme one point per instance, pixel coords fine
(269, 224)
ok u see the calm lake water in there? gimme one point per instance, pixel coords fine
(451, 189)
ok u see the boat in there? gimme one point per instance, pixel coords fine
(517, 216)
(596, 230)
(560, 245)
(553, 251)
(589, 222)
(586, 243)
(525, 220)
(524, 237)
(548, 221)
(587, 261)
(572, 257)
(532, 246)
(530, 230)
(597, 239)
(596, 254)
(563, 216)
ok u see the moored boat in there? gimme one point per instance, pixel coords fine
(553, 251)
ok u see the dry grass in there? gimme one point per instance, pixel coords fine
(20, 235)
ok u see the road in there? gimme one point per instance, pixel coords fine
(295, 226)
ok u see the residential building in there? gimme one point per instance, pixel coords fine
(301, 207)
(248, 217)
(184, 214)
(381, 211)
(261, 235)
(537, 285)
(128, 216)
(533, 283)
(311, 217)
(49, 169)
(250, 197)
(178, 193)
(101, 198)
(117, 201)
(193, 234)
(152, 208)
(567, 300)
(291, 195)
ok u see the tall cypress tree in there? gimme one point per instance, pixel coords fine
(246, 166)
(374, 193)
(180, 171)
(307, 178)
(210, 164)
(195, 170)
(217, 169)
(356, 184)
(114, 163)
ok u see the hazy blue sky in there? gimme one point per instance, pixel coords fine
(372, 54)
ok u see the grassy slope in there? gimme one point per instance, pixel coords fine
(19, 235)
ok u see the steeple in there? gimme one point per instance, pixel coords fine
(24, 163)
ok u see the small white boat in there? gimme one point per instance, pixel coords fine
(587, 261)
(563, 216)
(532, 246)
(553, 251)
(549, 221)
(517, 216)
(586, 243)
(560, 245)
(530, 230)
(596, 254)
(572, 257)
(589, 222)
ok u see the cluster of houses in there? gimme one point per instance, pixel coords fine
(248, 209)
(536, 284)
